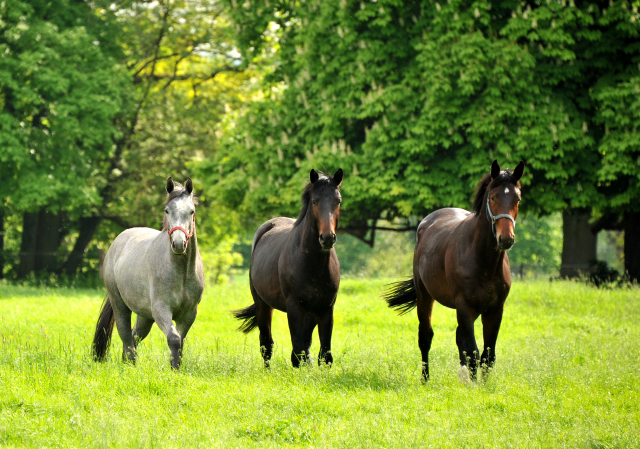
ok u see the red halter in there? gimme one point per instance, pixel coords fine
(180, 228)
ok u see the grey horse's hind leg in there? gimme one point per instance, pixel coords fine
(123, 323)
(141, 329)
(164, 320)
(184, 324)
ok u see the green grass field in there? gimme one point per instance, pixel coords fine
(566, 376)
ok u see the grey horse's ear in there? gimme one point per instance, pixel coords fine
(188, 185)
(170, 185)
(519, 171)
(495, 169)
(313, 176)
(337, 177)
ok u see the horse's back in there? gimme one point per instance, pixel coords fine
(438, 235)
(268, 243)
(126, 267)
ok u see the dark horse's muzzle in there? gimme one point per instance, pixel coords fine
(327, 241)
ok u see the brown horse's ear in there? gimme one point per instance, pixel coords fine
(170, 185)
(337, 177)
(313, 176)
(495, 169)
(188, 185)
(519, 171)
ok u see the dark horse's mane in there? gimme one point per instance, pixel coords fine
(179, 190)
(323, 182)
(505, 177)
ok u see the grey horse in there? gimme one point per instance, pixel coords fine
(158, 275)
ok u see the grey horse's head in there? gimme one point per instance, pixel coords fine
(179, 214)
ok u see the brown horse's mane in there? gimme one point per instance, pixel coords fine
(486, 183)
(177, 191)
(323, 182)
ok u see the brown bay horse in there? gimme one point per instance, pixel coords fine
(460, 260)
(294, 269)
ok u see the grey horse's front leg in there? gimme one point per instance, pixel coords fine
(164, 319)
(184, 324)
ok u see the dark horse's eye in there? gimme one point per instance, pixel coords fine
(314, 202)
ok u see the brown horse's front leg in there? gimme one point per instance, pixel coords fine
(491, 321)
(295, 317)
(466, 341)
(325, 330)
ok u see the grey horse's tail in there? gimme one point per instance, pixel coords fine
(401, 296)
(104, 329)
(249, 315)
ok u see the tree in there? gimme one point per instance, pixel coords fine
(124, 95)
(414, 99)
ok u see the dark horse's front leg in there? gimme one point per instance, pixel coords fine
(491, 321)
(466, 341)
(295, 317)
(325, 329)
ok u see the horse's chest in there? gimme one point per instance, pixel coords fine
(315, 292)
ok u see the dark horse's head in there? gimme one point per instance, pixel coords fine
(321, 204)
(497, 198)
(179, 214)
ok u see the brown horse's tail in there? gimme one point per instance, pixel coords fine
(104, 329)
(401, 296)
(249, 315)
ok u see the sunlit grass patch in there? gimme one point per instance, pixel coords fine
(566, 376)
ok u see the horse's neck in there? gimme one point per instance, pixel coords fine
(307, 239)
(485, 246)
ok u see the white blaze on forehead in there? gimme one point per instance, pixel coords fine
(506, 190)
(183, 205)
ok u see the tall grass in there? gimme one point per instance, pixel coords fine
(566, 376)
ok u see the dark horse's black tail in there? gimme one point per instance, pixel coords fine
(249, 315)
(104, 329)
(401, 296)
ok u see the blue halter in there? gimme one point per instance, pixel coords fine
(493, 218)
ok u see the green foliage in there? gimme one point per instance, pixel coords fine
(566, 376)
(60, 91)
(414, 99)
(538, 244)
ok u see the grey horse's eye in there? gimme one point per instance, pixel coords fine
(166, 211)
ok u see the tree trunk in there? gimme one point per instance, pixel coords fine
(88, 227)
(47, 241)
(28, 243)
(579, 244)
(1, 243)
(632, 245)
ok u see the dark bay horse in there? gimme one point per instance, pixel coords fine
(460, 260)
(294, 268)
(158, 275)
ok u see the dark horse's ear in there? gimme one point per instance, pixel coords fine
(170, 185)
(337, 177)
(519, 171)
(495, 169)
(188, 185)
(313, 176)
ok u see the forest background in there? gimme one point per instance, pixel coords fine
(101, 101)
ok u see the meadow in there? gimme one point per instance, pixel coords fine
(566, 376)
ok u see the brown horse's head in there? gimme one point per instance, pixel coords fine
(321, 199)
(498, 197)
